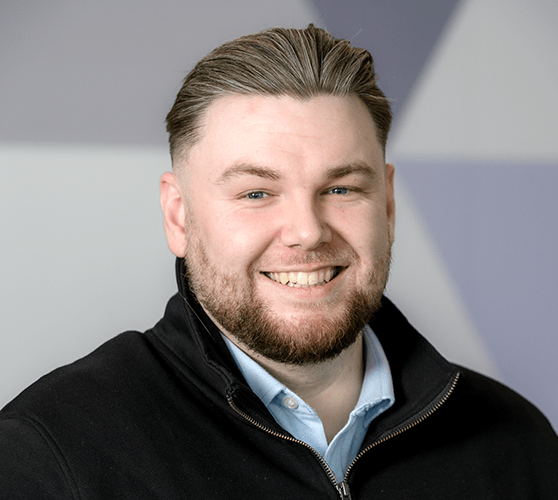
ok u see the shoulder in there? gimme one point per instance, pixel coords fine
(498, 413)
(494, 397)
(101, 375)
(55, 413)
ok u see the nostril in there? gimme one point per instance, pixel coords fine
(306, 231)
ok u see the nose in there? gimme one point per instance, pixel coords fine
(305, 226)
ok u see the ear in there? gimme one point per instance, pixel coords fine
(174, 213)
(390, 199)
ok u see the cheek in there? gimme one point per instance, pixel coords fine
(234, 239)
(366, 231)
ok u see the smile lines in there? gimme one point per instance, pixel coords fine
(299, 279)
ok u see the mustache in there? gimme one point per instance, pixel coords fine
(331, 256)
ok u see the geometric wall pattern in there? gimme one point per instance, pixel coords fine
(84, 89)
(475, 144)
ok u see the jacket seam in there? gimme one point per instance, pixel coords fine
(54, 448)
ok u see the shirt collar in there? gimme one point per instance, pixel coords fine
(377, 386)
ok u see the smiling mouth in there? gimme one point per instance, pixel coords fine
(299, 279)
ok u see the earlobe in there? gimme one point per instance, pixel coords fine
(390, 199)
(174, 213)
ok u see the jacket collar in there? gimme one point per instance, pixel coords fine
(420, 374)
(422, 378)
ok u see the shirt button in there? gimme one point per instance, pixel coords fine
(290, 403)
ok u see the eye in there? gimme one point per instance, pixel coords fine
(339, 190)
(256, 195)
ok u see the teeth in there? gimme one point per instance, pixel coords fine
(301, 279)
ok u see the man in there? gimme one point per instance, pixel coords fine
(279, 369)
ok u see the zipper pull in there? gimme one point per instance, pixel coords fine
(343, 489)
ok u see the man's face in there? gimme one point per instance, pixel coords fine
(289, 222)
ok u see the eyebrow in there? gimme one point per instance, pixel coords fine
(242, 169)
(352, 168)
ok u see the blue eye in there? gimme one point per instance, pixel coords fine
(256, 195)
(339, 190)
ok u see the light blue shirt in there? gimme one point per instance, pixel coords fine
(301, 421)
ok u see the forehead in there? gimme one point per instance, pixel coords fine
(278, 131)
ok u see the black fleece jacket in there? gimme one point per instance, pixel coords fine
(167, 415)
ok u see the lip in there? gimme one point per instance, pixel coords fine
(318, 277)
(289, 298)
(307, 268)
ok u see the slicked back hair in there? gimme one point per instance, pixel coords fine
(299, 63)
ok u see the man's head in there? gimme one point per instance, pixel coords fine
(285, 217)
(276, 62)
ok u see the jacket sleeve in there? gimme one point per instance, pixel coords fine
(30, 465)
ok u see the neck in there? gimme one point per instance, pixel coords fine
(331, 388)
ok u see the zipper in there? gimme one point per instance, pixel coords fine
(343, 487)
(427, 412)
(323, 463)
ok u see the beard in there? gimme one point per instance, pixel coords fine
(232, 301)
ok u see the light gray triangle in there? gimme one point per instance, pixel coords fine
(489, 90)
